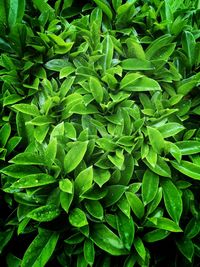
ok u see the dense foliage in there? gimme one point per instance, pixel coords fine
(99, 133)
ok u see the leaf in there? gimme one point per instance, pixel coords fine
(5, 237)
(77, 218)
(135, 82)
(66, 200)
(74, 156)
(191, 170)
(57, 64)
(19, 171)
(16, 12)
(161, 168)
(172, 199)
(126, 229)
(155, 235)
(44, 213)
(104, 5)
(66, 186)
(115, 192)
(83, 181)
(5, 132)
(188, 44)
(136, 204)
(95, 208)
(29, 109)
(105, 239)
(186, 247)
(188, 147)
(156, 139)
(139, 247)
(41, 249)
(108, 51)
(136, 64)
(89, 252)
(101, 176)
(27, 158)
(96, 89)
(34, 180)
(150, 183)
(166, 224)
(170, 129)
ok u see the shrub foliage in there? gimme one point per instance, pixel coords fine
(99, 133)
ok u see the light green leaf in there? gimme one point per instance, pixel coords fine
(44, 213)
(77, 218)
(29, 109)
(83, 181)
(190, 169)
(96, 89)
(136, 64)
(75, 156)
(156, 139)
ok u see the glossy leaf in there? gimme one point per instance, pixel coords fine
(150, 183)
(74, 156)
(105, 239)
(172, 199)
(41, 249)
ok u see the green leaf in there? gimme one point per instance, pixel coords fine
(108, 51)
(105, 239)
(5, 132)
(155, 235)
(188, 43)
(75, 156)
(161, 168)
(150, 183)
(41, 249)
(5, 237)
(188, 147)
(170, 129)
(66, 200)
(135, 82)
(83, 181)
(44, 213)
(136, 204)
(20, 171)
(34, 180)
(96, 89)
(95, 208)
(191, 170)
(172, 199)
(156, 139)
(126, 229)
(104, 5)
(165, 224)
(57, 64)
(192, 228)
(115, 192)
(16, 12)
(29, 109)
(66, 186)
(136, 64)
(155, 202)
(27, 158)
(89, 252)
(77, 218)
(139, 247)
(101, 176)
(186, 247)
